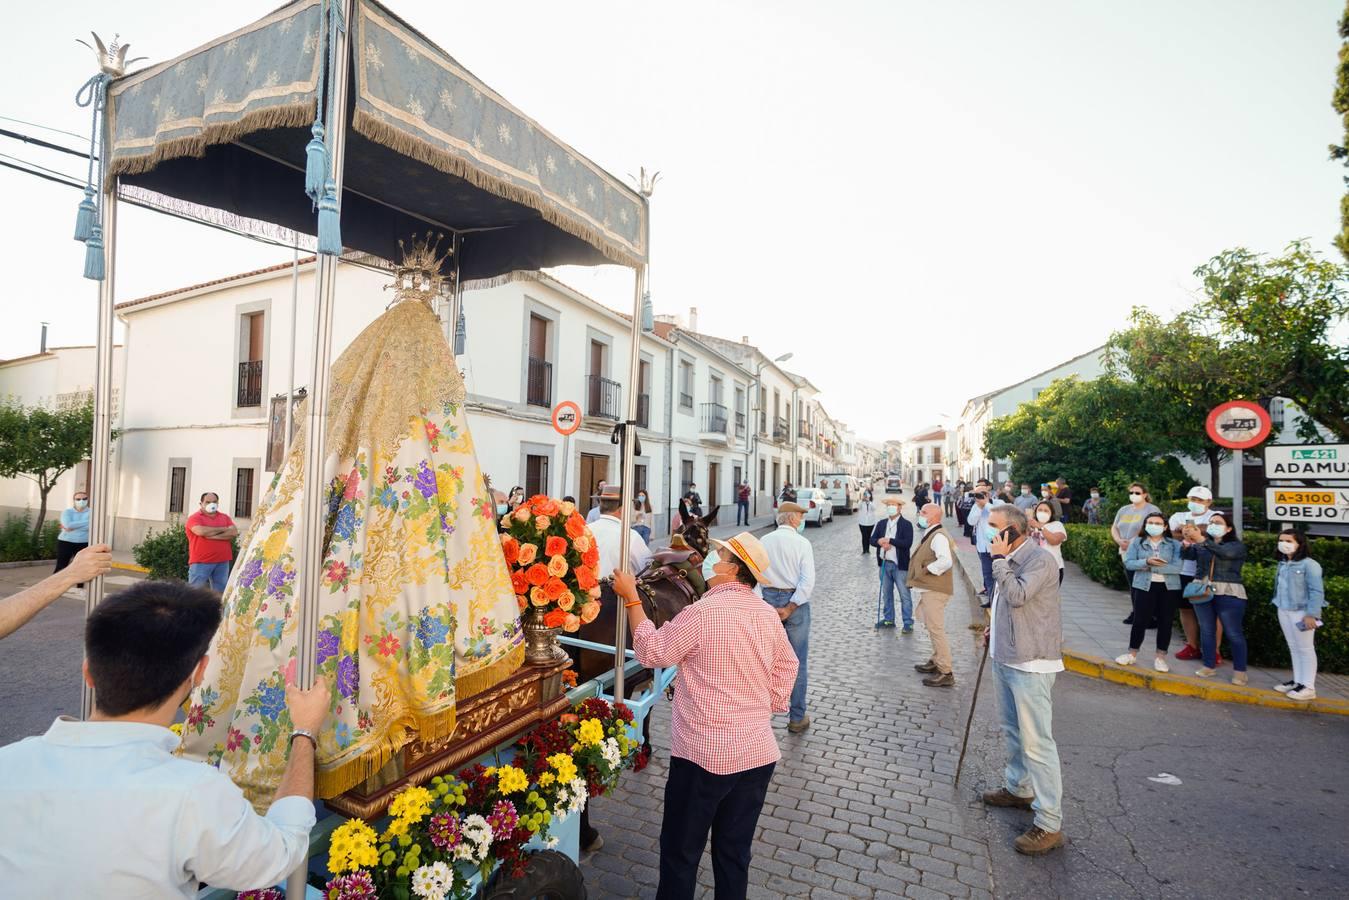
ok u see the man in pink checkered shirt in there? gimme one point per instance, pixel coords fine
(736, 668)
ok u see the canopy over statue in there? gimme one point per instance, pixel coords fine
(416, 608)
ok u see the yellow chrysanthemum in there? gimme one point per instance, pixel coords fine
(511, 780)
(351, 847)
(564, 765)
(412, 804)
(590, 733)
(546, 779)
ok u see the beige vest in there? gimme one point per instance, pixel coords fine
(923, 556)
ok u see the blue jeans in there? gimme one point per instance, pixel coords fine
(798, 635)
(893, 577)
(212, 575)
(1026, 704)
(986, 563)
(1231, 611)
(644, 531)
(742, 510)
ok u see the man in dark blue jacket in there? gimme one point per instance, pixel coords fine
(892, 537)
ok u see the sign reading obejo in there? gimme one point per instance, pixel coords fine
(1238, 425)
(1321, 462)
(1307, 504)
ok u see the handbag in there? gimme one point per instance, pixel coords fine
(1201, 591)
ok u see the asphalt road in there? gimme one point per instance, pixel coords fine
(40, 663)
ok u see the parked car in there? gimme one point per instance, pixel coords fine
(819, 508)
(894, 484)
(843, 491)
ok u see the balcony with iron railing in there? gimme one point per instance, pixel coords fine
(539, 383)
(643, 410)
(713, 419)
(803, 430)
(780, 429)
(603, 395)
(685, 400)
(250, 383)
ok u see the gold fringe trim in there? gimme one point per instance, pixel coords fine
(290, 115)
(399, 141)
(489, 676)
(347, 774)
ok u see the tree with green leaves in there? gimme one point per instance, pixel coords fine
(1087, 432)
(1339, 100)
(43, 444)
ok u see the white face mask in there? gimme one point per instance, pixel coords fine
(212, 507)
(1043, 516)
(1136, 497)
(1287, 548)
(81, 504)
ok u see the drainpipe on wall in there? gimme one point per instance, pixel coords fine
(669, 430)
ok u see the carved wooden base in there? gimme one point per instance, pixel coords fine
(496, 716)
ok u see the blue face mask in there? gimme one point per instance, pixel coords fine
(801, 527)
(1196, 508)
(1216, 530)
(990, 532)
(708, 562)
(501, 509)
(922, 524)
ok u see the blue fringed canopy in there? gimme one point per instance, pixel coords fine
(221, 131)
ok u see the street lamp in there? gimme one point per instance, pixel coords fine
(758, 381)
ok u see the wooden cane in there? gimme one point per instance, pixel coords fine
(965, 741)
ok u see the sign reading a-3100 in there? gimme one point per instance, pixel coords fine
(1323, 462)
(1307, 504)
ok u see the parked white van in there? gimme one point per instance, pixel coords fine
(842, 489)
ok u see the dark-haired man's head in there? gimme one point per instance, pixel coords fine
(145, 646)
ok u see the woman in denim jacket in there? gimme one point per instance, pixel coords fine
(1154, 559)
(1219, 550)
(1299, 594)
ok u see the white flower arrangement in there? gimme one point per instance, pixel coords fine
(432, 882)
(612, 756)
(477, 834)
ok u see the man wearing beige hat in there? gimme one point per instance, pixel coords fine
(736, 668)
(791, 574)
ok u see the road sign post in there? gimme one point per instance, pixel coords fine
(566, 420)
(1238, 425)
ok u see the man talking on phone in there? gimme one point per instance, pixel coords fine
(1026, 641)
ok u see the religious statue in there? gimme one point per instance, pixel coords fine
(417, 609)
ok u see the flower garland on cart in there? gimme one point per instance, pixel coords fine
(438, 834)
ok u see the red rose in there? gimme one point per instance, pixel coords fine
(585, 577)
(553, 588)
(576, 526)
(511, 548)
(591, 557)
(518, 582)
(554, 619)
(537, 575)
(555, 546)
(548, 508)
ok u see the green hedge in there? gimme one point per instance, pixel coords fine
(164, 553)
(16, 540)
(1091, 547)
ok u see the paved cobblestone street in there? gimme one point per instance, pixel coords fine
(862, 804)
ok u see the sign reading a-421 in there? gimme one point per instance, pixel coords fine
(1307, 504)
(1319, 462)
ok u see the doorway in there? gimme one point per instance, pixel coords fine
(594, 469)
(713, 482)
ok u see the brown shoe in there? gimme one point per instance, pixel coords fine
(798, 727)
(927, 668)
(1004, 797)
(1037, 841)
(941, 679)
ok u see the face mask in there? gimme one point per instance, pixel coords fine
(1042, 516)
(801, 527)
(1287, 548)
(641, 498)
(990, 532)
(212, 507)
(1216, 529)
(922, 524)
(1095, 496)
(1025, 492)
(708, 562)
(501, 509)
(1196, 508)
(1155, 530)
(1135, 497)
(1044, 495)
(891, 510)
(81, 504)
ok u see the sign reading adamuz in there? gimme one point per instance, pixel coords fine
(1328, 462)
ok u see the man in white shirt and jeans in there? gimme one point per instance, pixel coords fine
(607, 530)
(1026, 637)
(791, 565)
(103, 808)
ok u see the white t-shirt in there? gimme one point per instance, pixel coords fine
(1055, 550)
(1182, 518)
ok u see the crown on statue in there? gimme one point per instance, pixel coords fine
(419, 276)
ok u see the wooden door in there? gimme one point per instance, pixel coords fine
(594, 469)
(713, 481)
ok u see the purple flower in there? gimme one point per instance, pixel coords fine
(426, 480)
(503, 818)
(352, 886)
(347, 676)
(252, 569)
(444, 830)
(277, 579)
(328, 646)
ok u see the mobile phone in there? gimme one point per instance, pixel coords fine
(1302, 626)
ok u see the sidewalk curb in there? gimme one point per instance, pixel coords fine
(1184, 685)
(131, 567)
(1189, 686)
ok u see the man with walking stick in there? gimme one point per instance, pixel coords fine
(1026, 637)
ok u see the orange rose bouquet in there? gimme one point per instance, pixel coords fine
(553, 561)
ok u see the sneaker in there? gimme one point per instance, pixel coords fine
(1037, 841)
(1302, 692)
(884, 624)
(1159, 663)
(941, 679)
(1239, 678)
(1188, 652)
(907, 629)
(926, 668)
(1287, 686)
(1126, 659)
(799, 726)
(1205, 672)
(1005, 798)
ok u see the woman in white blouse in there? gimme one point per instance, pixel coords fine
(866, 520)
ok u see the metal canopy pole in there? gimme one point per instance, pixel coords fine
(290, 384)
(628, 469)
(101, 452)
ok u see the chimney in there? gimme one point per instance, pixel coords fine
(693, 318)
(744, 339)
(43, 348)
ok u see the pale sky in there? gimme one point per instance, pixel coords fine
(885, 189)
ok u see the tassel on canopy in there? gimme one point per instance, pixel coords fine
(87, 216)
(93, 254)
